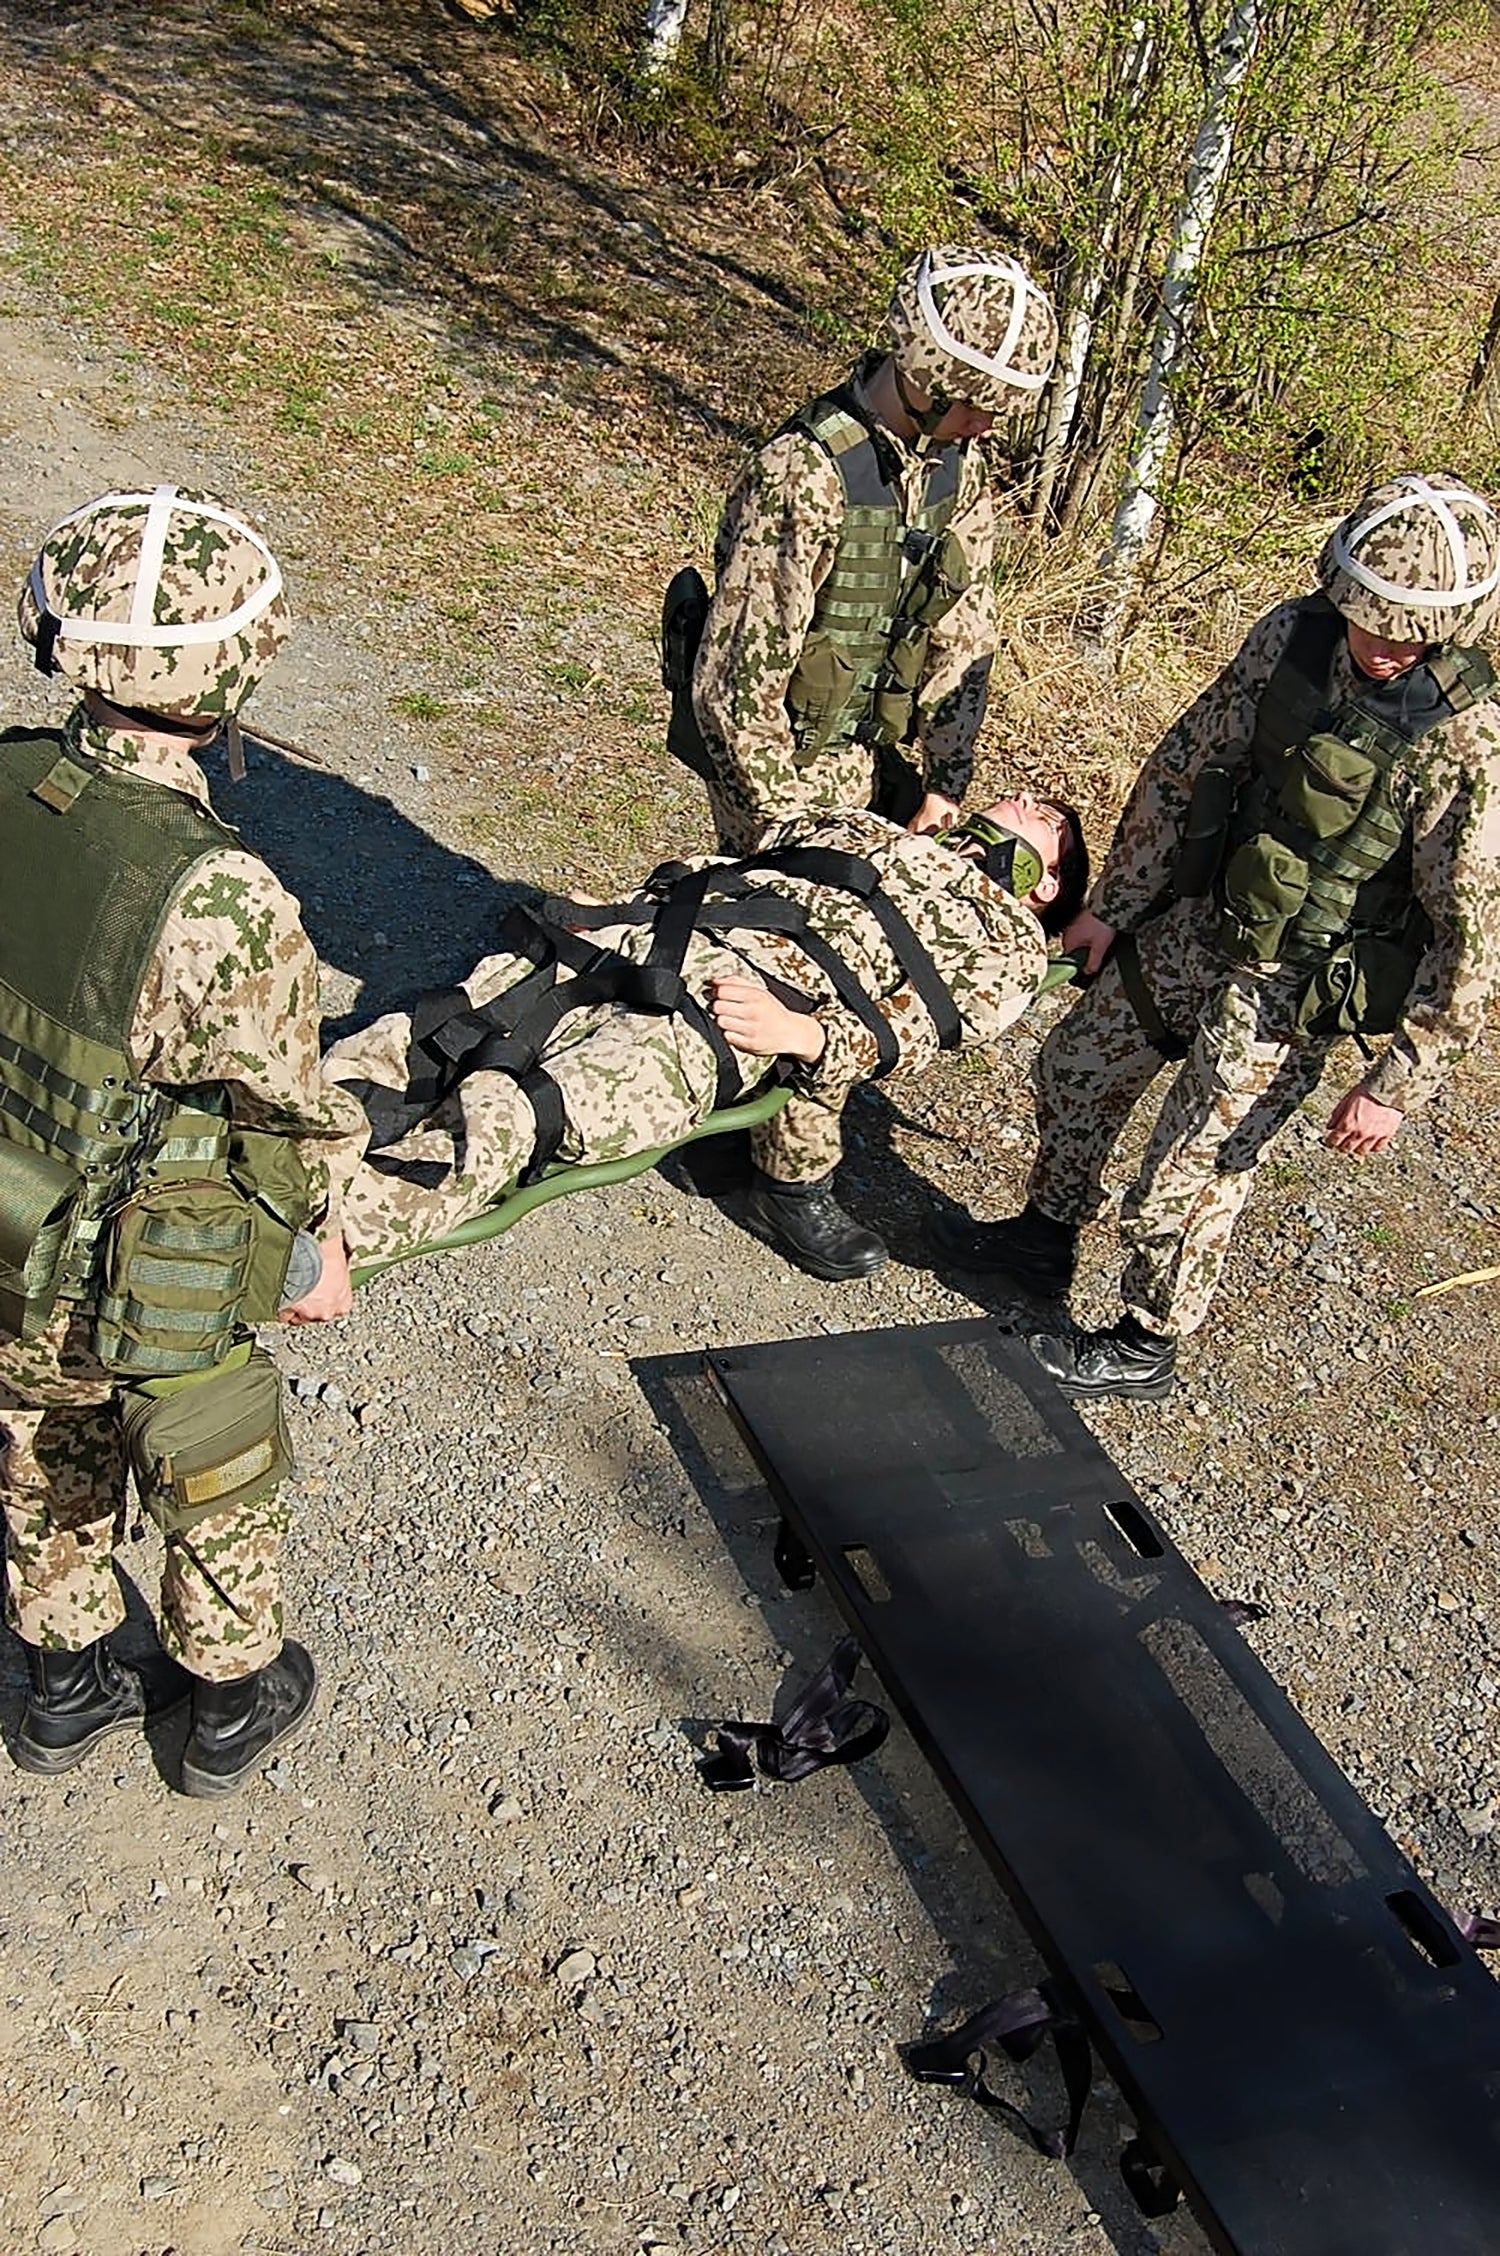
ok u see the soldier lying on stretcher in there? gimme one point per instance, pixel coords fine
(841, 949)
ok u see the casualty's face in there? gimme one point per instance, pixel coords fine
(1038, 822)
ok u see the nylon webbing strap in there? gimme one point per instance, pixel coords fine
(1158, 1033)
(822, 1726)
(851, 873)
(1017, 2023)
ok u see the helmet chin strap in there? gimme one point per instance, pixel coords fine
(925, 418)
(198, 731)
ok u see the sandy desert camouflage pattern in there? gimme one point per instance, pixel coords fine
(230, 995)
(988, 306)
(1417, 561)
(1245, 1075)
(630, 1082)
(775, 547)
(169, 602)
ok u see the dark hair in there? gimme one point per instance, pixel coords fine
(1072, 872)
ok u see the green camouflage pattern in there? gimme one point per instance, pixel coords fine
(775, 547)
(978, 310)
(1442, 541)
(212, 567)
(630, 1082)
(1247, 1072)
(230, 996)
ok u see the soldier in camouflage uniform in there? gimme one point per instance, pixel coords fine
(1312, 850)
(840, 990)
(854, 616)
(136, 935)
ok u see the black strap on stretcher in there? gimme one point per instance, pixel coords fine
(822, 1726)
(452, 1038)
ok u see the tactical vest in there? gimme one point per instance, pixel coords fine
(891, 581)
(1311, 855)
(147, 1206)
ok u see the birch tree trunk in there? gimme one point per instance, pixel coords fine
(664, 24)
(1078, 323)
(1140, 493)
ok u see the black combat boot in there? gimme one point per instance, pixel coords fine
(236, 1725)
(78, 1699)
(1029, 1248)
(806, 1223)
(1126, 1360)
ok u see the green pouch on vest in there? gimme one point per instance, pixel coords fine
(176, 1271)
(38, 1200)
(209, 1446)
(1325, 785)
(269, 1172)
(1210, 812)
(896, 684)
(938, 582)
(1360, 989)
(817, 695)
(1265, 884)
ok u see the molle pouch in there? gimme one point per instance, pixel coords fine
(1360, 989)
(896, 684)
(269, 1173)
(817, 695)
(1325, 785)
(940, 579)
(38, 1203)
(1210, 812)
(177, 1264)
(1265, 884)
(209, 1445)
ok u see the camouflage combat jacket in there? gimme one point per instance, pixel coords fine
(776, 546)
(1446, 793)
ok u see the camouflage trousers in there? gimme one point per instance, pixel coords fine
(1241, 1081)
(63, 1482)
(628, 1082)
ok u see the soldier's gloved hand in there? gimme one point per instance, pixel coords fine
(1092, 935)
(752, 1020)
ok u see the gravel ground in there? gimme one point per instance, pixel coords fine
(478, 1966)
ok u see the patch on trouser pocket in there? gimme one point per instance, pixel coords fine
(206, 1447)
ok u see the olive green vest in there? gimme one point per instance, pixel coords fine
(94, 859)
(1312, 852)
(891, 581)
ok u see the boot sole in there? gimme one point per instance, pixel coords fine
(51, 1762)
(1127, 1390)
(213, 1785)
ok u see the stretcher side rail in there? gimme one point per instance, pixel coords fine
(559, 1180)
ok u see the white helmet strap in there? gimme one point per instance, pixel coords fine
(140, 631)
(1419, 493)
(1000, 365)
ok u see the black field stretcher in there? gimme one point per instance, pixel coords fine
(1308, 2044)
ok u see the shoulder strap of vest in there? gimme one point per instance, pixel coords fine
(1316, 635)
(1465, 676)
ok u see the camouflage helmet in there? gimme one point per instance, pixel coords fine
(163, 602)
(971, 325)
(1417, 561)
